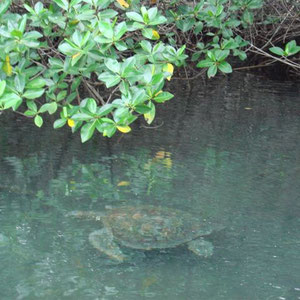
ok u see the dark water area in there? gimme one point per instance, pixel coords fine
(227, 149)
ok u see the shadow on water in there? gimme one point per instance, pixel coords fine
(227, 149)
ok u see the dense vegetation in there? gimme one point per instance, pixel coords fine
(121, 53)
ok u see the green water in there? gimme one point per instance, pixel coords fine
(228, 149)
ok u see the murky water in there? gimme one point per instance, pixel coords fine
(226, 148)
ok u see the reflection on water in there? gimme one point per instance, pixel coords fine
(228, 149)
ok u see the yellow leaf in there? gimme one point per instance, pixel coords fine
(123, 3)
(170, 69)
(168, 154)
(124, 129)
(71, 123)
(7, 68)
(160, 154)
(76, 55)
(74, 22)
(158, 93)
(153, 70)
(168, 162)
(155, 34)
(149, 117)
(123, 183)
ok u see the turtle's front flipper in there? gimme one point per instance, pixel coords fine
(103, 241)
(201, 247)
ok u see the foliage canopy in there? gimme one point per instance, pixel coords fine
(119, 52)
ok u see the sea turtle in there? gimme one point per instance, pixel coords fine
(148, 227)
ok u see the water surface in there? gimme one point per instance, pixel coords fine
(226, 148)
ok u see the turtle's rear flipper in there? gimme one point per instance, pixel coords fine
(201, 247)
(102, 240)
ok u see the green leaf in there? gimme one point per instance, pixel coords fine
(29, 113)
(211, 55)
(27, 7)
(158, 20)
(105, 110)
(82, 117)
(121, 45)
(4, 6)
(50, 107)
(32, 35)
(120, 30)
(225, 67)
(241, 54)
(186, 24)
(135, 17)
(64, 4)
(212, 71)
(229, 44)
(23, 23)
(106, 29)
(67, 49)
(146, 46)
(33, 94)
(38, 120)
(59, 123)
(38, 7)
(74, 2)
(20, 82)
(107, 13)
(149, 116)
(113, 65)
(219, 10)
(152, 12)
(248, 17)
(2, 87)
(277, 50)
(16, 33)
(291, 48)
(137, 26)
(157, 79)
(85, 39)
(77, 38)
(75, 83)
(121, 114)
(253, 4)
(87, 131)
(162, 97)
(148, 33)
(71, 97)
(221, 54)
(36, 83)
(205, 63)
(91, 105)
(30, 44)
(109, 79)
(10, 100)
(61, 95)
(198, 27)
(142, 109)
(76, 57)
(31, 105)
(108, 129)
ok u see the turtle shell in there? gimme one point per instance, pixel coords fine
(151, 227)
